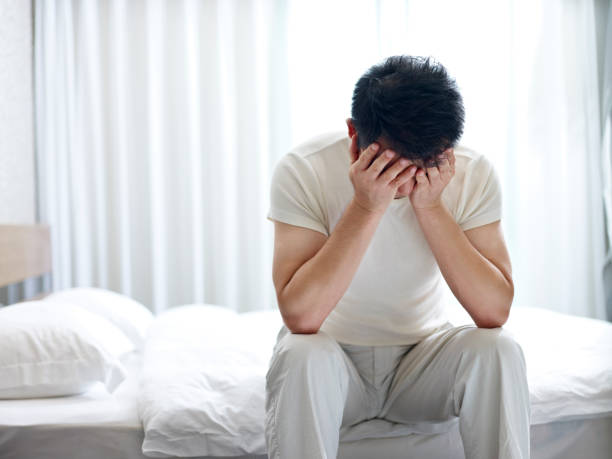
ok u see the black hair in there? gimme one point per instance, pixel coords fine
(411, 103)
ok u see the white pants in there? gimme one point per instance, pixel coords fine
(316, 385)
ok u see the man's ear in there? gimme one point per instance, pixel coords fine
(354, 146)
(354, 149)
(351, 128)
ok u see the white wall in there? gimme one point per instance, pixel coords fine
(17, 172)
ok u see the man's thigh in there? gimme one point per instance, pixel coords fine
(318, 364)
(424, 388)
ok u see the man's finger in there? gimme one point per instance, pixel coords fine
(451, 157)
(433, 173)
(379, 163)
(394, 170)
(366, 157)
(407, 175)
(421, 177)
(444, 164)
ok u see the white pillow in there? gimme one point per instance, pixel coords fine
(127, 314)
(50, 348)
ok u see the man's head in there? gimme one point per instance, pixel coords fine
(408, 104)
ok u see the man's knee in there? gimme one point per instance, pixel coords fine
(301, 347)
(492, 342)
(315, 351)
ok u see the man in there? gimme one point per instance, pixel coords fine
(366, 227)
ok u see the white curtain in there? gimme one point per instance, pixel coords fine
(155, 144)
(605, 34)
(159, 123)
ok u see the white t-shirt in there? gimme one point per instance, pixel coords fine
(397, 294)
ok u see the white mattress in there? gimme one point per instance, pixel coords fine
(92, 425)
(98, 425)
(83, 438)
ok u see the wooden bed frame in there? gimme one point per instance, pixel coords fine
(25, 252)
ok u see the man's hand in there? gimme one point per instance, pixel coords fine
(431, 181)
(375, 187)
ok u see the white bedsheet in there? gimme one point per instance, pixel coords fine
(97, 425)
(569, 364)
(204, 372)
(203, 380)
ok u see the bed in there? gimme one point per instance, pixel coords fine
(188, 393)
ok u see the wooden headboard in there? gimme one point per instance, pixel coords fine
(25, 252)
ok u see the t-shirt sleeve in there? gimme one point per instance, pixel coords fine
(295, 195)
(480, 201)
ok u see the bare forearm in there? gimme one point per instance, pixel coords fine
(318, 285)
(481, 287)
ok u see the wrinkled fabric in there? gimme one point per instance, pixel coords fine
(203, 386)
(318, 388)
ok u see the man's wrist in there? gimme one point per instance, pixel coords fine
(433, 211)
(364, 210)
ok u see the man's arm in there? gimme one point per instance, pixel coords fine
(311, 272)
(475, 263)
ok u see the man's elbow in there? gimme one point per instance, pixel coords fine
(497, 315)
(300, 326)
(494, 321)
(297, 322)
(303, 330)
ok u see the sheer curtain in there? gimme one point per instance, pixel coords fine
(605, 66)
(159, 123)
